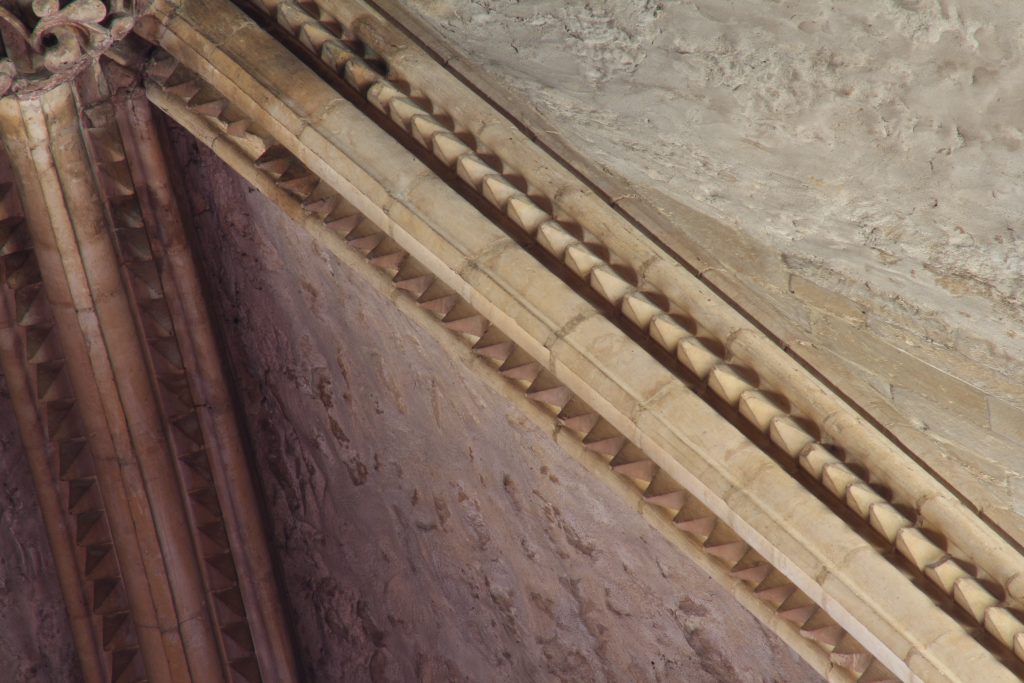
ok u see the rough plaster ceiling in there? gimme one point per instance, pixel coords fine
(875, 145)
(861, 160)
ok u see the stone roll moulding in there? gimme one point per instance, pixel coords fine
(730, 421)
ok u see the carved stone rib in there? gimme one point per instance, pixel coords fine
(212, 404)
(576, 344)
(751, 354)
(107, 368)
(968, 536)
(14, 363)
(594, 442)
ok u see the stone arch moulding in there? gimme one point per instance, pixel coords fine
(821, 526)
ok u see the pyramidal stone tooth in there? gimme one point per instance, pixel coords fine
(917, 547)
(526, 372)
(730, 553)
(366, 243)
(752, 575)
(313, 35)
(814, 459)
(608, 446)
(798, 614)
(639, 309)
(887, 520)
(31, 307)
(495, 351)
(758, 409)
(861, 497)
(525, 213)
(128, 215)
(973, 597)
(474, 325)
(1001, 623)
(776, 596)
(550, 393)
(185, 89)
(473, 169)
(14, 236)
(416, 286)
(700, 360)
(838, 478)
(239, 127)
(387, 255)
(828, 635)
(161, 66)
(493, 337)
(945, 573)
(449, 148)
(381, 93)
(360, 75)
(554, 238)
(441, 305)
(612, 287)
(788, 435)
(320, 206)
(292, 17)
(344, 225)
(390, 261)
(402, 109)
(107, 144)
(335, 54)
(640, 470)
(208, 104)
(119, 179)
(298, 181)
(581, 423)
(520, 366)
(424, 127)
(877, 673)
(42, 345)
(497, 190)
(701, 526)
(727, 383)
(672, 501)
(580, 259)
(856, 662)
(55, 385)
(275, 160)
(666, 331)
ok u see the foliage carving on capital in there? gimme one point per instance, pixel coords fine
(47, 41)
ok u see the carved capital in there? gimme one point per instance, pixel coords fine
(46, 42)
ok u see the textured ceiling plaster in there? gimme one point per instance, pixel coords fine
(428, 530)
(876, 145)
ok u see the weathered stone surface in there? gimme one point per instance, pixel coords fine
(425, 529)
(35, 637)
